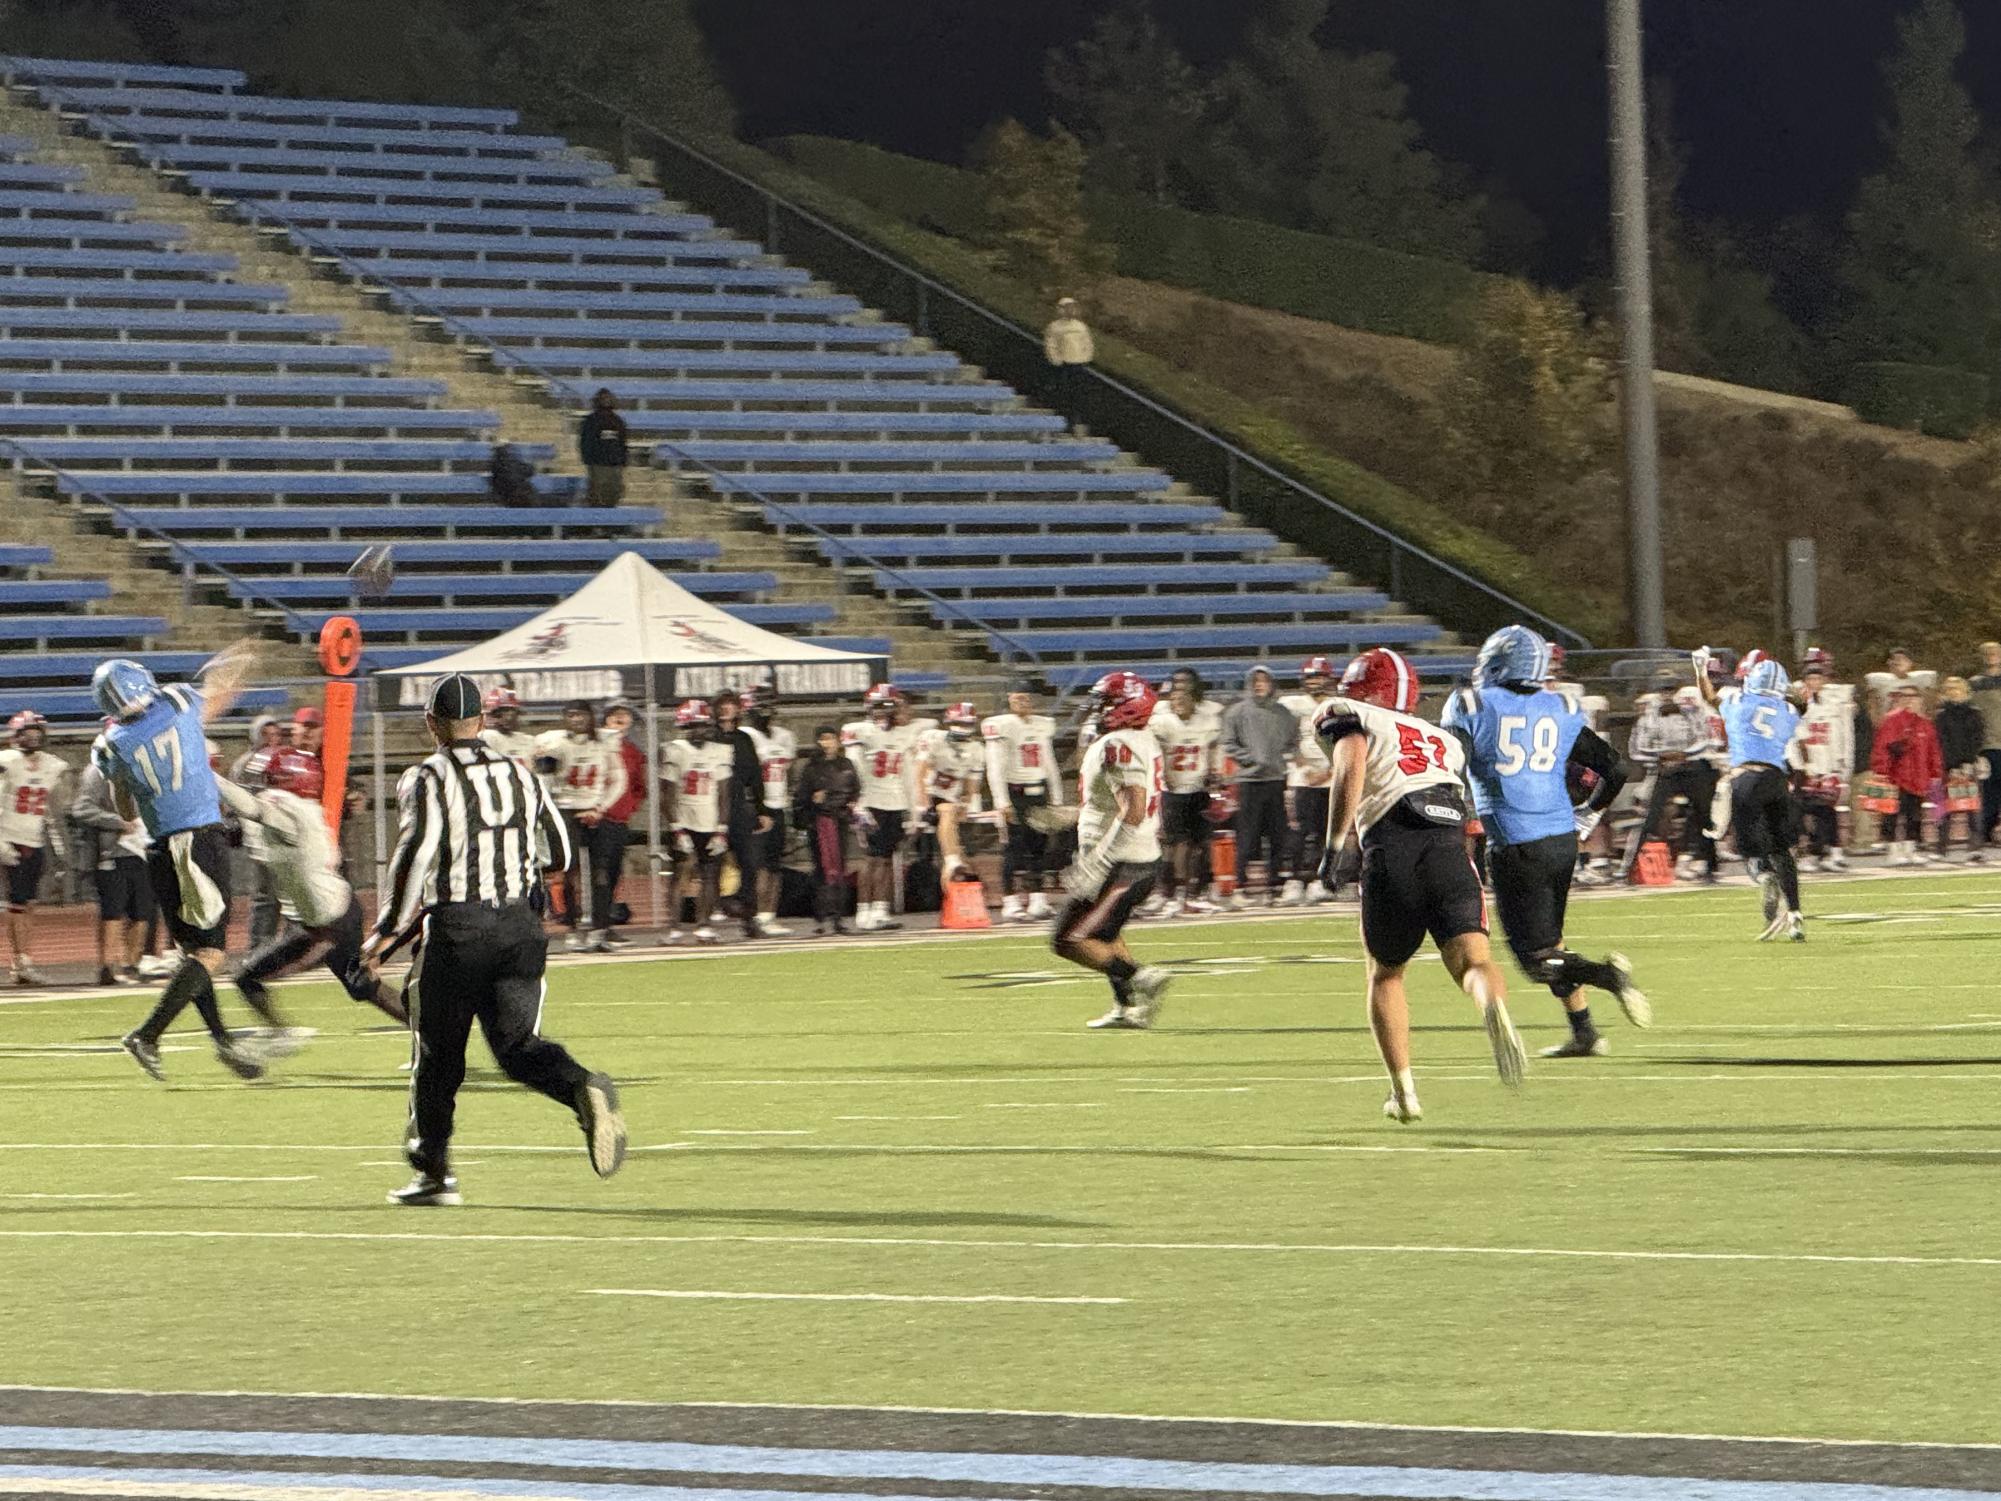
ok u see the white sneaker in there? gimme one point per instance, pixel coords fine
(1587, 876)
(1317, 894)
(1796, 927)
(1834, 860)
(1639, 1010)
(672, 937)
(598, 943)
(1292, 894)
(1404, 1111)
(1200, 906)
(574, 942)
(1510, 1057)
(1149, 985)
(1152, 907)
(1127, 1017)
(1171, 909)
(1012, 910)
(1039, 908)
(706, 934)
(25, 973)
(770, 927)
(154, 967)
(1238, 902)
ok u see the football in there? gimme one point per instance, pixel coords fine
(374, 571)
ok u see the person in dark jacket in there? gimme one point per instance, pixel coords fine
(510, 479)
(824, 806)
(601, 445)
(1261, 736)
(619, 719)
(1962, 740)
(744, 819)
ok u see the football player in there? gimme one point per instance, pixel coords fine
(1520, 741)
(1189, 730)
(1398, 784)
(1759, 722)
(777, 748)
(1822, 755)
(696, 770)
(1306, 784)
(1594, 854)
(1119, 788)
(883, 748)
(1022, 776)
(156, 758)
(950, 762)
(585, 777)
(282, 798)
(29, 778)
(503, 727)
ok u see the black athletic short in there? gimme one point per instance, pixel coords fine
(125, 891)
(769, 850)
(343, 955)
(1761, 812)
(887, 832)
(1103, 915)
(1184, 817)
(24, 876)
(700, 839)
(1417, 878)
(1532, 890)
(209, 849)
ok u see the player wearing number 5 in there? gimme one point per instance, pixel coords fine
(1520, 740)
(1759, 722)
(154, 755)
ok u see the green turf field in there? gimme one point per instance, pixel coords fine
(1779, 1212)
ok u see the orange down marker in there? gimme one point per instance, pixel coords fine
(340, 654)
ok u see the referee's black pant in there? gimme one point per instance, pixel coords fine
(486, 963)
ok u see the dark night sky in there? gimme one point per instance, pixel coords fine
(1776, 101)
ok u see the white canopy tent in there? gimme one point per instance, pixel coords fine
(630, 633)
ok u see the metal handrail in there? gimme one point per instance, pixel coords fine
(1233, 452)
(368, 274)
(191, 565)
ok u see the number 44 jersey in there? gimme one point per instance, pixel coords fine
(1518, 745)
(1405, 755)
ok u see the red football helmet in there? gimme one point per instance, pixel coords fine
(24, 721)
(1381, 677)
(1749, 660)
(1817, 659)
(693, 711)
(1124, 701)
(883, 697)
(962, 721)
(1558, 654)
(287, 770)
(1315, 667)
(500, 698)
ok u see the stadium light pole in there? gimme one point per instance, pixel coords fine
(1634, 285)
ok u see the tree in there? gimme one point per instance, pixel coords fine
(650, 55)
(1320, 140)
(356, 49)
(64, 28)
(1132, 99)
(1923, 272)
(1034, 207)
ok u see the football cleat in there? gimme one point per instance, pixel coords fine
(1149, 987)
(1038, 907)
(145, 1054)
(1834, 860)
(1795, 927)
(239, 1060)
(276, 1043)
(25, 973)
(1403, 1112)
(598, 943)
(707, 934)
(604, 1127)
(1632, 1000)
(1126, 1017)
(1574, 1046)
(574, 942)
(1013, 909)
(1292, 894)
(1511, 1059)
(424, 1190)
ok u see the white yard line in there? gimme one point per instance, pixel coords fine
(655, 1292)
(212, 1178)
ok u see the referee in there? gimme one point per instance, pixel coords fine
(476, 831)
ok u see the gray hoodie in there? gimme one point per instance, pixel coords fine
(1260, 735)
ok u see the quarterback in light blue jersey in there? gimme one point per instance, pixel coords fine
(1521, 738)
(154, 755)
(1759, 720)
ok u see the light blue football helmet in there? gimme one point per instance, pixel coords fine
(1513, 654)
(122, 687)
(1769, 678)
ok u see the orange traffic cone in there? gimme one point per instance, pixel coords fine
(965, 906)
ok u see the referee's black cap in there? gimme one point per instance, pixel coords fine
(455, 697)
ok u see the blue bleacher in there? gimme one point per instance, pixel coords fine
(684, 424)
(332, 453)
(360, 139)
(474, 624)
(22, 593)
(118, 291)
(37, 174)
(578, 273)
(387, 489)
(22, 201)
(379, 520)
(1438, 672)
(507, 329)
(243, 326)
(113, 102)
(450, 170)
(961, 519)
(599, 307)
(55, 354)
(1118, 644)
(1079, 545)
(974, 483)
(1119, 608)
(901, 394)
(284, 187)
(446, 588)
(181, 262)
(504, 553)
(121, 385)
(883, 451)
(99, 75)
(79, 232)
(40, 630)
(529, 232)
(72, 421)
(77, 704)
(1137, 578)
(18, 555)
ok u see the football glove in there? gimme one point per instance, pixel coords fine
(864, 821)
(1587, 822)
(684, 843)
(1330, 870)
(9, 855)
(1699, 659)
(718, 844)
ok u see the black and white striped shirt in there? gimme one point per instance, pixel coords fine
(476, 827)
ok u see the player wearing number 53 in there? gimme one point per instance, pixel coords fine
(1520, 737)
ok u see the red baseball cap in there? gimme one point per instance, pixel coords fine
(309, 715)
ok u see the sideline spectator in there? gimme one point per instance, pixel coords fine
(829, 790)
(1987, 699)
(1068, 346)
(1668, 740)
(1962, 738)
(617, 733)
(601, 445)
(1907, 753)
(510, 479)
(266, 735)
(1902, 673)
(1823, 756)
(1262, 736)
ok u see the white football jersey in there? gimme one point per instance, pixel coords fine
(1021, 752)
(1121, 758)
(1824, 745)
(589, 774)
(1191, 747)
(1405, 754)
(1309, 761)
(1717, 751)
(886, 760)
(28, 782)
(953, 768)
(777, 749)
(305, 867)
(699, 773)
(518, 747)
(1592, 706)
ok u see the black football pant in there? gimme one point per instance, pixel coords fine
(1532, 894)
(598, 848)
(1261, 829)
(1309, 830)
(1696, 781)
(483, 964)
(1761, 817)
(1025, 857)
